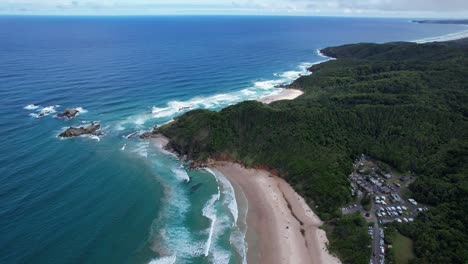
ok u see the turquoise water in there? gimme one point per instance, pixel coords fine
(117, 200)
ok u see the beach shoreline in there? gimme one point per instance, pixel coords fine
(447, 37)
(281, 228)
(285, 94)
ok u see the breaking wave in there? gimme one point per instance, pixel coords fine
(31, 107)
(163, 114)
(448, 37)
(164, 260)
(42, 112)
(181, 174)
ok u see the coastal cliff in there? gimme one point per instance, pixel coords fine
(402, 103)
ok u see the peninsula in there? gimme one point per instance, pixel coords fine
(404, 104)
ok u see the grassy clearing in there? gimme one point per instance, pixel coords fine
(402, 249)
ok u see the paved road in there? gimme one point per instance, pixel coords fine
(376, 244)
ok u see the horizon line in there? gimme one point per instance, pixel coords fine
(226, 15)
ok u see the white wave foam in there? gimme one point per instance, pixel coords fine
(221, 256)
(209, 211)
(170, 234)
(238, 240)
(142, 149)
(49, 109)
(269, 84)
(123, 147)
(45, 111)
(31, 107)
(291, 74)
(81, 110)
(164, 260)
(134, 122)
(181, 174)
(447, 37)
(218, 101)
(237, 237)
(229, 195)
(259, 89)
(320, 54)
(92, 137)
(174, 108)
(119, 127)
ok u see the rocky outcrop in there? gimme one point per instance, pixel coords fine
(92, 129)
(147, 135)
(132, 134)
(69, 113)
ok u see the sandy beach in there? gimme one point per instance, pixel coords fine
(281, 226)
(285, 94)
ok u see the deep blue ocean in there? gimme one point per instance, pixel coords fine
(110, 199)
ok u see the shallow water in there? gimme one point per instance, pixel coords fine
(111, 199)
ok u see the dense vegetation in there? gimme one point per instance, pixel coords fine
(348, 235)
(403, 103)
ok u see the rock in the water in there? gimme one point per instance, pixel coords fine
(132, 134)
(68, 113)
(78, 131)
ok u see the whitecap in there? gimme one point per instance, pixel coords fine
(94, 137)
(31, 107)
(142, 149)
(209, 211)
(221, 256)
(50, 109)
(164, 260)
(81, 110)
(45, 111)
(181, 174)
(269, 84)
(320, 54)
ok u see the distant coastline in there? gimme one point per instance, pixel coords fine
(443, 21)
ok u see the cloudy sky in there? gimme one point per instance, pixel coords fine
(387, 8)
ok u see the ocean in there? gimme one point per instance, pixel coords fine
(113, 199)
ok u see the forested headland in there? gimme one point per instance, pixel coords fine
(403, 103)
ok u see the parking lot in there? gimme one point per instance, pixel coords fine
(384, 187)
